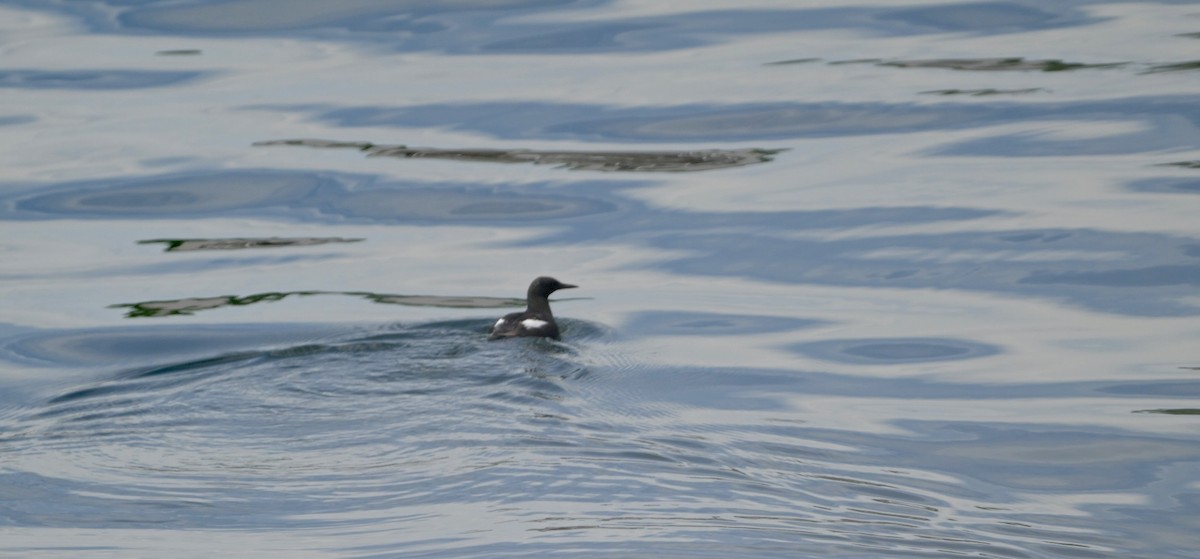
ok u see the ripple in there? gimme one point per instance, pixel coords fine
(104, 347)
(895, 350)
(302, 195)
(403, 428)
(461, 205)
(711, 324)
(177, 195)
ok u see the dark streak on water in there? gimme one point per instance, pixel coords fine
(618, 161)
(192, 305)
(187, 245)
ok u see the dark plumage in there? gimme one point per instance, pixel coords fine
(537, 320)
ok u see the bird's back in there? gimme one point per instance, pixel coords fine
(521, 324)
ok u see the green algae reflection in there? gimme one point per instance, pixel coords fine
(192, 305)
(997, 64)
(1188, 66)
(1193, 164)
(609, 161)
(184, 245)
(984, 92)
(1010, 64)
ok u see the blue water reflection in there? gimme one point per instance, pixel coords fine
(1174, 185)
(1092, 461)
(13, 120)
(990, 17)
(489, 27)
(1147, 279)
(1167, 122)
(1144, 274)
(754, 122)
(94, 79)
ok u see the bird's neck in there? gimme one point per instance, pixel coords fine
(538, 305)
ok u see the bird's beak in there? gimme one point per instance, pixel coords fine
(566, 286)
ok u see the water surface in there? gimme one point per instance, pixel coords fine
(910, 279)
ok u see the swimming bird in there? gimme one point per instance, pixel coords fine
(537, 320)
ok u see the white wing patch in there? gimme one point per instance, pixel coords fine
(534, 324)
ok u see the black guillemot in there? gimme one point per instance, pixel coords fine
(537, 320)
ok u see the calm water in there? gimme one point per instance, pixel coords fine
(863, 280)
